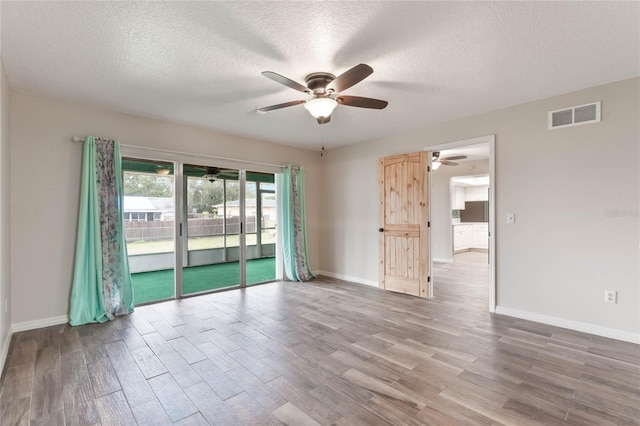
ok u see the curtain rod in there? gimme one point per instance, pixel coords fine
(76, 139)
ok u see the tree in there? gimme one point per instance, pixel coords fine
(203, 195)
(147, 185)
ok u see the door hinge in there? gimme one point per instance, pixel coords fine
(181, 229)
(428, 168)
(428, 224)
(428, 279)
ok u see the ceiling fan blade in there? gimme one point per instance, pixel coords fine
(357, 101)
(455, 157)
(278, 106)
(448, 163)
(323, 120)
(350, 77)
(286, 81)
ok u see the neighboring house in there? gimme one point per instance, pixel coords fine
(147, 209)
(140, 209)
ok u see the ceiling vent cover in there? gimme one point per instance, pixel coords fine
(575, 116)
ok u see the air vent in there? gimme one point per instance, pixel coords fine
(575, 116)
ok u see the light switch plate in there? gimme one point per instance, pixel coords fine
(511, 218)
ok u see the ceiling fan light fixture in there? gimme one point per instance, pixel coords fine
(321, 107)
(435, 165)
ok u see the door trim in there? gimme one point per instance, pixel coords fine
(491, 140)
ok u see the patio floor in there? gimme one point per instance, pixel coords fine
(158, 285)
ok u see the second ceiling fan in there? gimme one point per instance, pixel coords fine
(325, 89)
(437, 161)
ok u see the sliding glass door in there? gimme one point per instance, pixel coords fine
(211, 260)
(149, 225)
(261, 228)
(193, 228)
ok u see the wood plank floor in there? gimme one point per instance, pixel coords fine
(325, 352)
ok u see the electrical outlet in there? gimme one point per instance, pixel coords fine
(610, 296)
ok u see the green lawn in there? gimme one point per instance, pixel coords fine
(158, 285)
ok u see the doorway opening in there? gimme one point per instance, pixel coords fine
(470, 218)
(462, 204)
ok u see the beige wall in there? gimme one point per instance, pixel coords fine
(5, 225)
(45, 176)
(576, 230)
(568, 244)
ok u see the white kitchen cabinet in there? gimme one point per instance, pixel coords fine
(477, 193)
(470, 235)
(480, 235)
(458, 197)
(462, 237)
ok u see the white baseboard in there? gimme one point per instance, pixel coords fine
(4, 350)
(41, 323)
(348, 278)
(584, 327)
(442, 260)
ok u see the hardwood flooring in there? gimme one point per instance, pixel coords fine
(325, 352)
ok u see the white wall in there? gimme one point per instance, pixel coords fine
(5, 225)
(441, 232)
(575, 193)
(45, 182)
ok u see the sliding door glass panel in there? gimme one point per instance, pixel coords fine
(212, 229)
(260, 212)
(149, 224)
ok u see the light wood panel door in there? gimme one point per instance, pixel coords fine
(404, 224)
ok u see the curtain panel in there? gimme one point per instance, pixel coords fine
(294, 229)
(101, 280)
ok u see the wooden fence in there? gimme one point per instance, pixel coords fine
(198, 227)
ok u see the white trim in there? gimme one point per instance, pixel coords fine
(491, 140)
(5, 350)
(583, 327)
(460, 143)
(41, 323)
(350, 278)
(442, 260)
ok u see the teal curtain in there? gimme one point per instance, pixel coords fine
(101, 280)
(294, 229)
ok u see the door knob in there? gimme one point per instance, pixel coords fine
(380, 229)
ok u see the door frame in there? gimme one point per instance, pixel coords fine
(491, 140)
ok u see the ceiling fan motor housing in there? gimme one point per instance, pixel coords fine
(318, 81)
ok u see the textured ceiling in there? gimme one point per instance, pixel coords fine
(200, 62)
